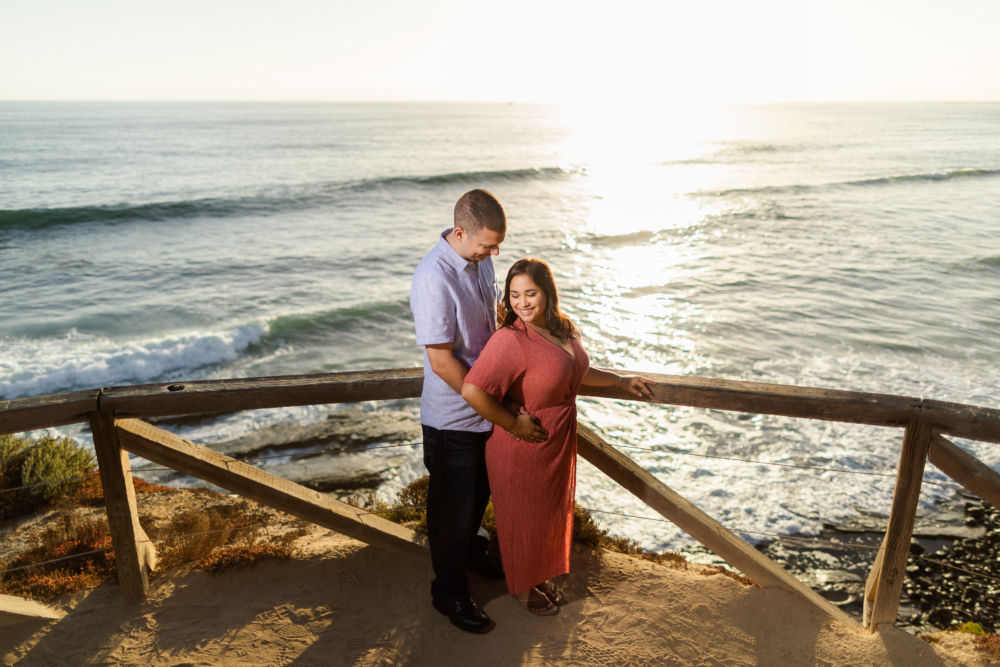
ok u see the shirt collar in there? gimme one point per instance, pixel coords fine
(451, 255)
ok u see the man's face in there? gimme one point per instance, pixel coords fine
(479, 245)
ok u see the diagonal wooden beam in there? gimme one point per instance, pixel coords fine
(696, 523)
(167, 449)
(14, 610)
(885, 582)
(965, 469)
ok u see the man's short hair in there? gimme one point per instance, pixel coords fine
(480, 208)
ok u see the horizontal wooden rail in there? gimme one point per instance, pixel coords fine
(28, 414)
(231, 395)
(203, 396)
(957, 419)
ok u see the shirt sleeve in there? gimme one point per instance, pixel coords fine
(434, 311)
(499, 366)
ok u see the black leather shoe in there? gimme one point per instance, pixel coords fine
(488, 566)
(465, 615)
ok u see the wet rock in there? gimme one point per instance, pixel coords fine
(345, 429)
(951, 573)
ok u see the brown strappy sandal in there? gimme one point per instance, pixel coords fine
(552, 592)
(538, 603)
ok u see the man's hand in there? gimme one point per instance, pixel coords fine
(528, 428)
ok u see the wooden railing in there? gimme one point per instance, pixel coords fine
(113, 417)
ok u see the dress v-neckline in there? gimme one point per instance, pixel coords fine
(571, 355)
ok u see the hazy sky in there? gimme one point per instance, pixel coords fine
(651, 52)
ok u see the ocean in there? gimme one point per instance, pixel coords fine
(849, 246)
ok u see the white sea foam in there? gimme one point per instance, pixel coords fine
(76, 360)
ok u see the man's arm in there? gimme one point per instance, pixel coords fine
(446, 365)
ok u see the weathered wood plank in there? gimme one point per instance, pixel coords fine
(28, 414)
(14, 610)
(216, 396)
(267, 392)
(135, 555)
(871, 582)
(967, 421)
(962, 421)
(786, 400)
(695, 522)
(249, 481)
(882, 601)
(965, 469)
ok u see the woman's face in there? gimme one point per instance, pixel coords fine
(528, 300)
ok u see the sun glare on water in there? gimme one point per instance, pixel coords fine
(639, 226)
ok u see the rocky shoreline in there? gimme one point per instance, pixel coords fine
(950, 573)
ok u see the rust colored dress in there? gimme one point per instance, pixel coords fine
(533, 484)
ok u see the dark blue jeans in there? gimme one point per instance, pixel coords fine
(457, 495)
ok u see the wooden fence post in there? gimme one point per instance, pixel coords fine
(135, 555)
(885, 582)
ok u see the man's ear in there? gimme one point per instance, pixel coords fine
(459, 232)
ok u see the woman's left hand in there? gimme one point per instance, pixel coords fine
(636, 384)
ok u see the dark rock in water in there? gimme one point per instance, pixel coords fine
(343, 480)
(959, 583)
(951, 575)
(345, 429)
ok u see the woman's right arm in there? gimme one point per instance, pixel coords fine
(522, 426)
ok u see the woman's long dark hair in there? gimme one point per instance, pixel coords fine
(558, 324)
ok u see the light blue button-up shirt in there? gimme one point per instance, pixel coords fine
(453, 301)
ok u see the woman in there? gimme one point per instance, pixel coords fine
(534, 359)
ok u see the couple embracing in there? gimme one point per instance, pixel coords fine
(498, 412)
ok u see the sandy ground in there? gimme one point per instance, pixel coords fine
(344, 603)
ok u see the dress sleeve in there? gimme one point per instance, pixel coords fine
(500, 364)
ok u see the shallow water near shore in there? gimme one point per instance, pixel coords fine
(849, 246)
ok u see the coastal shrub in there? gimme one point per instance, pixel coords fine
(410, 507)
(988, 648)
(81, 550)
(588, 533)
(46, 467)
(191, 535)
(54, 463)
(709, 570)
(12, 451)
(412, 499)
(243, 555)
(585, 529)
(972, 628)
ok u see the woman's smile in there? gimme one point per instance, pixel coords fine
(528, 300)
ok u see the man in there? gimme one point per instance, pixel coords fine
(453, 298)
